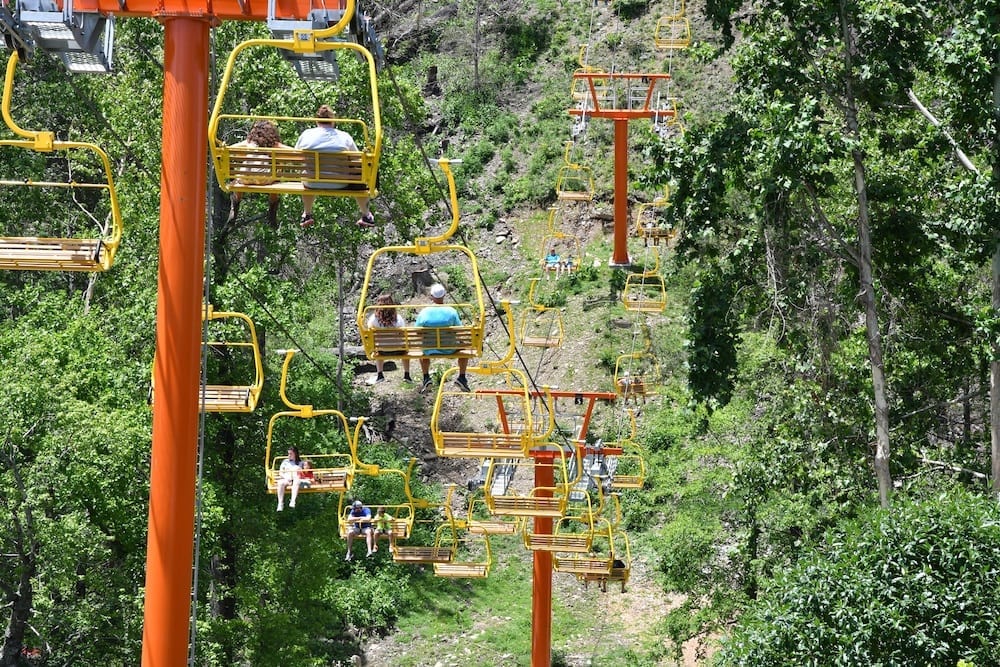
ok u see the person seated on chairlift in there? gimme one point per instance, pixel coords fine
(359, 517)
(326, 138)
(552, 263)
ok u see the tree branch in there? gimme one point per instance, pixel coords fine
(849, 253)
(925, 112)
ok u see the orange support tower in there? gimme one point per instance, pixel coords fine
(541, 579)
(176, 370)
(631, 97)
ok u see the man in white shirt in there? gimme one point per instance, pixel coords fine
(327, 138)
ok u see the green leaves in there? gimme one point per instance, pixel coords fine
(914, 586)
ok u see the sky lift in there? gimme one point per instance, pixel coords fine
(465, 340)
(540, 326)
(575, 182)
(437, 516)
(627, 469)
(573, 531)
(91, 197)
(472, 555)
(227, 397)
(637, 374)
(645, 292)
(479, 521)
(673, 31)
(539, 501)
(287, 170)
(323, 437)
(650, 224)
(597, 559)
(227, 335)
(540, 422)
(473, 444)
(621, 565)
(569, 249)
(593, 87)
(666, 119)
(382, 487)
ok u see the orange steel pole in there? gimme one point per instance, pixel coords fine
(619, 256)
(541, 581)
(176, 371)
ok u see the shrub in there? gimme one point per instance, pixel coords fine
(917, 585)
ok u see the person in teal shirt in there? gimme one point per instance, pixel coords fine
(552, 263)
(439, 315)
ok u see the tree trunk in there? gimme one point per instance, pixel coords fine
(20, 612)
(18, 599)
(995, 380)
(995, 347)
(867, 295)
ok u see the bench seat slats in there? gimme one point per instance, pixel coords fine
(422, 554)
(389, 343)
(544, 542)
(480, 445)
(287, 170)
(526, 506)
(53, 254)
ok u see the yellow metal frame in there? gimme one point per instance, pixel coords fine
(539, 423)
(597, 560)
(621, 551)
(472, 444)
(647, 226)
(445, 532)
(580, 88)
(643, 374)
(534, 502)
(534, 317)
(573, 174)
(31, 253)
(234, 398)
(402, 516)
(489, 526)
(645, 292)
(338, 466)
(673, 31)
(464, 565)
(289, 179)
(410, 340)
(579, 514)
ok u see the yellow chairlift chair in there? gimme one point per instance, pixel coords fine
(87, 188)
(265, 170)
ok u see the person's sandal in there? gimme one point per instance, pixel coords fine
(366, 220)
(307, 221)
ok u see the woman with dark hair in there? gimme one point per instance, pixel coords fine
(289, 474)
(388, 317)
(262, 134)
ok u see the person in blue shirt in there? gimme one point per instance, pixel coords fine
(360, 519)
(439, 315)
(327, 138)
(552, 263)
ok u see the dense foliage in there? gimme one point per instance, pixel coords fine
(772, 423)
(915, 586)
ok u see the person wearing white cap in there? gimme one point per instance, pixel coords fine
(359, 517)
(439, 315)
